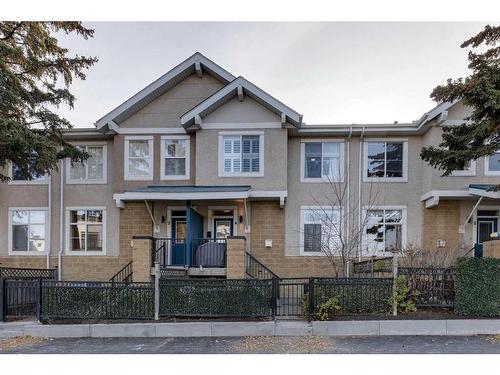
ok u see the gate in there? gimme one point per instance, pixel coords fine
(291, 297)
(20, 298)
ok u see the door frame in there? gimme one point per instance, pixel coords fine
(211, 218)
(227, 218)
(475, 219)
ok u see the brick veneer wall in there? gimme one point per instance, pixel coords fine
(441, 223)
(134, 220)
(268, 222)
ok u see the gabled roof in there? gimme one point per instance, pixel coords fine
(189, 66)
(240, 87)
(436, 111)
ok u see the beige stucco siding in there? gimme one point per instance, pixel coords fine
(246, 111)
(275, 161)
(166, 110)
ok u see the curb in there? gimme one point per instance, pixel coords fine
(459, 327)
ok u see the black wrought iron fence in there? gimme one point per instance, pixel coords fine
(27, 273)
(290, 296)
(354, 295)
(216, 298)
(96, 300)
(372, 266)
(436, 286)
(20, 298)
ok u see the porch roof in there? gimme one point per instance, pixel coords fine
(432, 197)
(195, 192)
(484, 190)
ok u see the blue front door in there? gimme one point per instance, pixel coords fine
(179, 231)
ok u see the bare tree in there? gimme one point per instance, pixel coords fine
(343, 223)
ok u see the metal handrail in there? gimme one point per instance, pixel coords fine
(253, 264)
(124, 275)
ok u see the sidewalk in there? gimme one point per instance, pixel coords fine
(465, 327)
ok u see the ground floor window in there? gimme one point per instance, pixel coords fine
(86, 230)
(27, 230)
(384, 230)
(320, 230)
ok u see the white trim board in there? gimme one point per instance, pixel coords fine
(187, 157)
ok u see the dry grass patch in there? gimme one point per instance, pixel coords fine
(19, 342)
(271, 344)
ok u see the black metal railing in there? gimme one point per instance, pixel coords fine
(14, 273)
(256, 269)
(168, 251)
(125, 275)
(290, 294)
(372, 266)
(20, 298)
(208, 252)
(436, 286)
(96, 300)
(216, 298)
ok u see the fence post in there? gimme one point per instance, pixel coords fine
(394, 277)
(274, 300)
(2, 299)
(157, 291)
(312, 302)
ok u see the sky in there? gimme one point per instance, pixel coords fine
(331, 73)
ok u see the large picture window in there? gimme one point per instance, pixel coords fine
(384, 230)
(320, 230)
(86, 231)
(27, 231)
(241, 155)
(139, 158)
(93, 170)
(175, 158)
(321, 161)
(386, 160)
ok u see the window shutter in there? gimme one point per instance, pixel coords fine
(232, 154)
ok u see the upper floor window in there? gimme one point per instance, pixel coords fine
(320, 230)
(92, 171)
(85, 230)
(386, 161)
(175, 157)
(321, 161)
(241, 155)
(18, 178)
(492, 164)
(384, 230)
(138, 158)
(27, 231)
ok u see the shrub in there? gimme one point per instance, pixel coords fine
(328, 309)
(477, 287)
(404, 296)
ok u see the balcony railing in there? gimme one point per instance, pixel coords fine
(204, 252)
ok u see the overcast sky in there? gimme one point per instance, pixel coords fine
(329, 72)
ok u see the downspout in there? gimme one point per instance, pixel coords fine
(49, 221)
(360, 175)
(348, 174)
(61, 222)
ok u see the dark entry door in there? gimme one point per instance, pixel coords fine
(485, 226)
(223, 228)
(179, 231)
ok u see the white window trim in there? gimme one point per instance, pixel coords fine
(67, 232)
(404, 224)
(104, 179)
(240, 134)
(303, 162)
(301, 243)
(385, 179)
(465, 172)
(163, 152)
(43, 181)
(127, 175)
(10, 233)
(487, 171)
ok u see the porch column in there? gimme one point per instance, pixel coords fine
(235, 256)
(141, 259)
(189, 234)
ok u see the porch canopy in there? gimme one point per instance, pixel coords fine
(431, 198)
(196, 192)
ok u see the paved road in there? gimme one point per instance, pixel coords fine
(359, 345)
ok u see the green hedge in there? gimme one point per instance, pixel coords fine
(477, 287)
